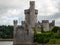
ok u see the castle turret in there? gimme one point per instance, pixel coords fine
(45, 24)
(14, 32)
(31, 15)
(53, 23)
(15, 23)
(15, 26)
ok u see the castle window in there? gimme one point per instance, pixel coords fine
(27, 32)
(28, 13)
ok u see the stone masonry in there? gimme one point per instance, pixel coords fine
(24, 34)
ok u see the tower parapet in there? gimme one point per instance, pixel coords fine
(45, 21)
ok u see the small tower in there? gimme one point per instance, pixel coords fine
(15, 23)
(53, 23)
(45, 24)
(14, 32)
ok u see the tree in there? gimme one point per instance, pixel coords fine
(35, 33)
(6, 31)
(35, 30)
(42, 29)
(55, 29)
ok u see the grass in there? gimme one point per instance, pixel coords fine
(54, 41)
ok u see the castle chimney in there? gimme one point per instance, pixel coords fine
(32, 4)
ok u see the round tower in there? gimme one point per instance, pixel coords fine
(45, 24)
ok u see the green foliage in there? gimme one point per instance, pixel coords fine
(57, 36)
(35, 30)
(58, 41)
(6, 31)
(55, 29)
(54, 41)
(42, 29)
(48, 37)
(42, 38)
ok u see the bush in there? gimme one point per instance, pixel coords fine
(55, 29)
(46, 37)
(54, 41)
(35, 30)
(42, 29)
(42, 38)
(57, 36)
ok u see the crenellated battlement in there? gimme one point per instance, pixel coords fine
(21, 32)
(45, 21)
(26, 11)
(15, 22)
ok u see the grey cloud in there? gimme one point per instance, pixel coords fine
(51, 17)
(13, 4)
(22, 4)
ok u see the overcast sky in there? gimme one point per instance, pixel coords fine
(14, 10)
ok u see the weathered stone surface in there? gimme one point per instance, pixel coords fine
(24, 34)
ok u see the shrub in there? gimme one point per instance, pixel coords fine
(57, 36)
(42, 29)
(54, 41)
(55, 29)
(42, 38)
(35, 30)
(46, 37)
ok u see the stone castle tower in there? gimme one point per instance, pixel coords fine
(31, 15)
(24, 34)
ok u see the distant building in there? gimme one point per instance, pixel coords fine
(23, 35)
(58, 31)
(47, 26)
